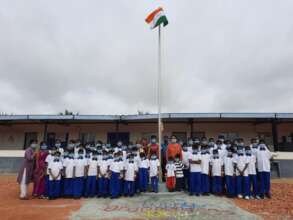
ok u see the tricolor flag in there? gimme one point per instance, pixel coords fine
(156, 18)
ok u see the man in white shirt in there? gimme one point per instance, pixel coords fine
(195, 171)
(79, 171)
(55, 168)
(143, 169)
(68, 165)
(263, 157)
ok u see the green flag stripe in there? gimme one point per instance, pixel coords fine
(162, 20)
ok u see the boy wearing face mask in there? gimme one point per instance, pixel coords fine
(229, 171)
(216, 171)
(68, 166)
(252, 173)
(154, 172)
(179, 173)
(205, 168)
(143, 168)
(79, 174)
(48, 159)
(131, 170)
(115, 175)
(92, 175)
(103, 175)
(195, 171)
(185, 161)
(189, 146)
(263, 157)
(242, 178)
(59, 148)
(55, 168)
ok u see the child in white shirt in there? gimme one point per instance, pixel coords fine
(263, 157)
(216, 171)
(242, 178)
(131, 170)
(170, 174)
(79, 171)
(143, 168)
(68, 165)
(154, 172)
(92, 175)
(195, 171)
(55, 168)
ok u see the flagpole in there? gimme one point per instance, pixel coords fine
(159, 91)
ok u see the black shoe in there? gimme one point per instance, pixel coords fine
(268, 195)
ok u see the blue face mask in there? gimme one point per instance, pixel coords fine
(43, 147)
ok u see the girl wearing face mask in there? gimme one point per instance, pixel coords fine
(25, 174)
(174, 148)
(40, 171)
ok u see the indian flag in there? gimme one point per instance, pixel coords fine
(156, 18)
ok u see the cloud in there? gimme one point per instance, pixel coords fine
(99, 57)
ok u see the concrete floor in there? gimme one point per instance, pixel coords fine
(175, 206)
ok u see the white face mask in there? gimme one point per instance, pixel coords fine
(58, 145)
(173, 140)
(153, 140)
(33, 146)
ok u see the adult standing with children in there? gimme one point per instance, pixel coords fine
(25, 174)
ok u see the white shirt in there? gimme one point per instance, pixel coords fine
(48, 159)
(130, 168)
(144, 163)
(154, 164)
(251, 166)
(229, 166)
(93, 167)
(116, 167)
(171, 168)
(263, 160)
(205, 163)
(69, 165)
(241, 161)
(55, 168)
(195, 167)
(103, 165)
(79, 165)
(217, 164)
(185, 159)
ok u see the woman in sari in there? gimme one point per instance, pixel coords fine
(40, 171)
(25, 174)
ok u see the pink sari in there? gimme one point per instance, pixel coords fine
(39, 174)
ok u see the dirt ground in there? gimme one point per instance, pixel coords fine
(11, 208)
(279, 207)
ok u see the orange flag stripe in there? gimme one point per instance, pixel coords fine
(151, 16)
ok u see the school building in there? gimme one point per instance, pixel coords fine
(16, 131)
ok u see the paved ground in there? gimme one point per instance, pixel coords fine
(162, 206)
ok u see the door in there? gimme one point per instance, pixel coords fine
(114, 137)
(51, 139)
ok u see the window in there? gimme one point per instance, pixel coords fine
(229, 135)
(267, 137)
(198, 134)
(28, 137)
(87, 137)
(181, 136)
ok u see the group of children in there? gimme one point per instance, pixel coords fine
(203, 167)
(221, 168)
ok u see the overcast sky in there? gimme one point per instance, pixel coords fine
(100, 57)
